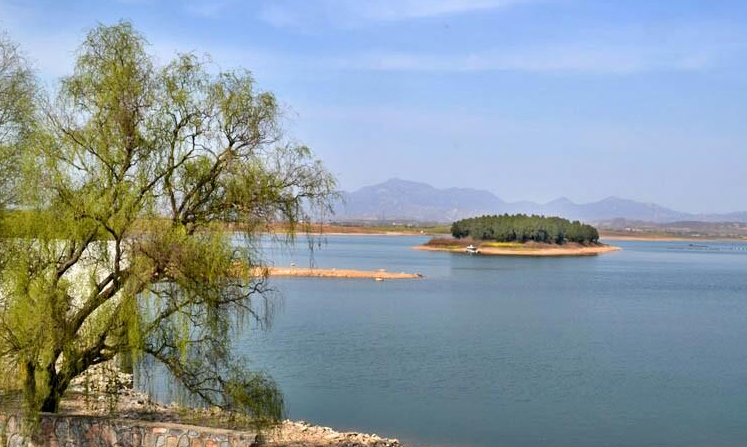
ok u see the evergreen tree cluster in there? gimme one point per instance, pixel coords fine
(523, 228)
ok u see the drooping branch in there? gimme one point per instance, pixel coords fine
(134, 173)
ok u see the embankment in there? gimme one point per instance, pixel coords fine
(63, 430)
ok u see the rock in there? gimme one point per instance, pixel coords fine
(104, 384)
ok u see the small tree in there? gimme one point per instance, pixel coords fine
(131, 179)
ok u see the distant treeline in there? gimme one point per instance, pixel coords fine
(522, 228)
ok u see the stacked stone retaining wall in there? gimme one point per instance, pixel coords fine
(91, 431)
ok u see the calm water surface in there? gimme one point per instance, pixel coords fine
(643, 347)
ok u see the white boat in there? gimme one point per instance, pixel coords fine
(471, 249)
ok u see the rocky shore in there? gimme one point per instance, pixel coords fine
(106, 391)
(303, 434)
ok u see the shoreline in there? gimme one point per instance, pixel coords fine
(610, 237)
(537, 251)
(133, 406)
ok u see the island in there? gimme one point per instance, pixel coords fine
(520, 235)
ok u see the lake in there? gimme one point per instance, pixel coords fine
(642, 347)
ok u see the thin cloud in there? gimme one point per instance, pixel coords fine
(581, 58)
(356, 13)
(603, 56)
(682, 47)
(406, 9)
(209, 9)
(280, 17)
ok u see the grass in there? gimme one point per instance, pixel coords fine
(448, 243)
(503, 244)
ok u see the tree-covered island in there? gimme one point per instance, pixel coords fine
(523, 228)
(519, 235)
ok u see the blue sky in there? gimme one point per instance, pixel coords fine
(530, 99)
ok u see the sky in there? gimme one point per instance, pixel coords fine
(529, 99)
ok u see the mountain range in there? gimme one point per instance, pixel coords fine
(404, 200)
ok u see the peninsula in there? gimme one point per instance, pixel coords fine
(520, 235)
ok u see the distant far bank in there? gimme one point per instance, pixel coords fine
(517, 248)
(368, 230)
(616, 236)
(360, 229)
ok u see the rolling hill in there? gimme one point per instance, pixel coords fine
(405, 200)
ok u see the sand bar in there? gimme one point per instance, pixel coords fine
(339, 273)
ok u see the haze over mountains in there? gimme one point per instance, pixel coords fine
(405, 200)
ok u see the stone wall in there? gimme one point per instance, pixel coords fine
(90, 431)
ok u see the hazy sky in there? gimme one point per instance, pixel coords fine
(530, 99)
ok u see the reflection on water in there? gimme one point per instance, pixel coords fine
(719, 247)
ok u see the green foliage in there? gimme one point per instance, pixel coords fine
(522, 228)
(116, 243)
(17, 93)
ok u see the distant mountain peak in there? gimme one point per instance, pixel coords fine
(399, 181)
(560, 201)
(398, 199)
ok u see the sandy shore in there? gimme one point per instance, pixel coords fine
(340, 273)
(555, 251)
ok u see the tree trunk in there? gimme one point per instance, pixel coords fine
(51, 403)
(56, 386)
(29, 386)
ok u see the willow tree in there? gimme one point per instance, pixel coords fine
(131, 181)
(17, 92)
